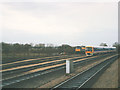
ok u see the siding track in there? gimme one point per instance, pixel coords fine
(86, 78)
(26, 73)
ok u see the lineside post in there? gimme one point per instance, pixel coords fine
(69, 66)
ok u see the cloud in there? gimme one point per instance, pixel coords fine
(59, 21)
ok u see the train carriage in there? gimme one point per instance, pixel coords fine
(90, 50)
(80, 49)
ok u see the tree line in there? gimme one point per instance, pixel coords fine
(28, 48)
(17, 48)
(25, 51)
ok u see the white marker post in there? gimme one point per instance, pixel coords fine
(69, 66)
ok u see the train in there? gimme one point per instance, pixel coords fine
(90, 50)
(93, 50)
(80, 49)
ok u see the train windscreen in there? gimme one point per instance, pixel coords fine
(78, 47)
(88, 48)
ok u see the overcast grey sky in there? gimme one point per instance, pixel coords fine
(73, 23)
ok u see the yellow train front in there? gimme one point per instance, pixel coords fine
(77, 49)
(89, 51)
(80, 50)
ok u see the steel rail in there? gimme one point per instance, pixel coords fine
(56, 68)
(24, 66)
(57, 64)
(82, 78)
(33, 61)
(34, 75)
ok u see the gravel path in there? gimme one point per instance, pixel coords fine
(109, 79)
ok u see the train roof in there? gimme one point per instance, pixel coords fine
(100, 47)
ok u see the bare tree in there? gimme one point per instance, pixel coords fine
(103, 44)
(116, 44)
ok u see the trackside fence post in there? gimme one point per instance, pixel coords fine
(69, 66)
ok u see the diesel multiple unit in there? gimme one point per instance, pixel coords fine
(90, 50)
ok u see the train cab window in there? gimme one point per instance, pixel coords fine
(78, 47)
(88, 49)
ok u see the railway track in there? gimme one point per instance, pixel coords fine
(33, 61)
(28, 74)
(16, 72)
(85, 79)
(35, 66)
